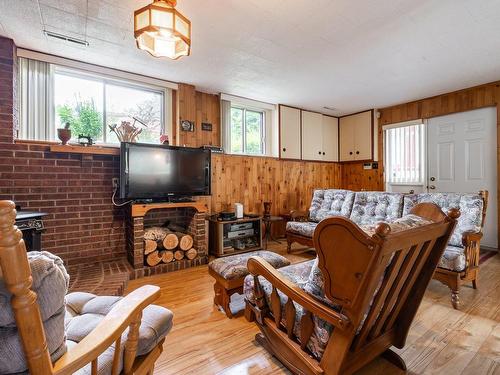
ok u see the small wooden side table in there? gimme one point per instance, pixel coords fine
(268, 222)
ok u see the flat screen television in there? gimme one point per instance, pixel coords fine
(158, 172)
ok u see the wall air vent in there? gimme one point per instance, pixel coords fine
(66, 38)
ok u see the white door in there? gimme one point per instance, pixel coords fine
(312, 136)
(462, 158)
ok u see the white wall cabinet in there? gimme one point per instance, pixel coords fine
(312, 136)
(290, 139)
(330, 138)
(319, 137)
(356, 136)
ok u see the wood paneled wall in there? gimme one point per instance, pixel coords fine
(199, 107)
(355, 178)
(253, 180)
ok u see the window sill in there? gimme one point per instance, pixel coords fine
(95, 150)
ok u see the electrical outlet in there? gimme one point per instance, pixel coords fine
(115, 183)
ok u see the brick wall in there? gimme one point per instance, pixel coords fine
(75, 190)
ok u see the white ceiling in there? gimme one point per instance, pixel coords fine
(347, 54)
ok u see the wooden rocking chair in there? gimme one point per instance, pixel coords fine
(125, 314)
(376, 284)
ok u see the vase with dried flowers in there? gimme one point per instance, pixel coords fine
(127, 132)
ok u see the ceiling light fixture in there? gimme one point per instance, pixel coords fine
(162, 31)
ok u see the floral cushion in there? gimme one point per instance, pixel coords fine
(304, 228)
(406, 222)
(331, 202)
(235, 266)
(373, 207)
(315, 283)
(453, 258)
(298, 274)
(470, 205)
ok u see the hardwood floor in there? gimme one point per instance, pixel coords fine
(442, 340)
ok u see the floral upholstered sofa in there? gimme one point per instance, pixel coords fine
(460, 261)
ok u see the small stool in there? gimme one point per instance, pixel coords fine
(230, 272)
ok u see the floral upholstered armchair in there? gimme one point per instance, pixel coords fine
(45, 331)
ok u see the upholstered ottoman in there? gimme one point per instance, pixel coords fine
(230, 272)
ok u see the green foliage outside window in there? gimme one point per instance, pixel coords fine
(83, 118)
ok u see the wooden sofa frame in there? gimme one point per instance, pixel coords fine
(395, 267)
(453, 279)
(125, 314)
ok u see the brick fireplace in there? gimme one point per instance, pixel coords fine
(188, 215)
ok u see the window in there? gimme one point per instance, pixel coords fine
(89, 102)
(247, 131)
(404, 154)
(248, 127)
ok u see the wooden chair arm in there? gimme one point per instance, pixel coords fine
(470, 236)
(109, 330)
(297, 214)
(257, 266)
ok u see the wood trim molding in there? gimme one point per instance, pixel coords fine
(139, 210)
(96, 150)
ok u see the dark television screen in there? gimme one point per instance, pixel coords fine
(155, 171)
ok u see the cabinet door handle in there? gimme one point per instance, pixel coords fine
(323, 153)
(357, 152)
(319, 152)
(284, 149)
(350, 153)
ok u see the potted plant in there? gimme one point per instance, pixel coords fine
(64, 134)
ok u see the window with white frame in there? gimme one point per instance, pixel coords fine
(247, 131)
(404, 153)
(53, 96)
(249, 127)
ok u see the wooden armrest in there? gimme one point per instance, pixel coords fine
(296, 214)
(469, 237)
(108, 330)
(259, 267)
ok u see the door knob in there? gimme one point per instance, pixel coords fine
(433, 179)
(432, 187)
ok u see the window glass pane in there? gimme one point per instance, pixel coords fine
(253, 132)
(404, 154)
(124, 103)
(236, 130)
(79, 101)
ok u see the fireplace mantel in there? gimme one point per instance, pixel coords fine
(139, 210)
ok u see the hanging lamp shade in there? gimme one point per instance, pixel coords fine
(162, 31)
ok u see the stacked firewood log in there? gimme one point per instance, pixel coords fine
(167, 244)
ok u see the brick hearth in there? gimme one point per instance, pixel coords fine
(102, 278)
